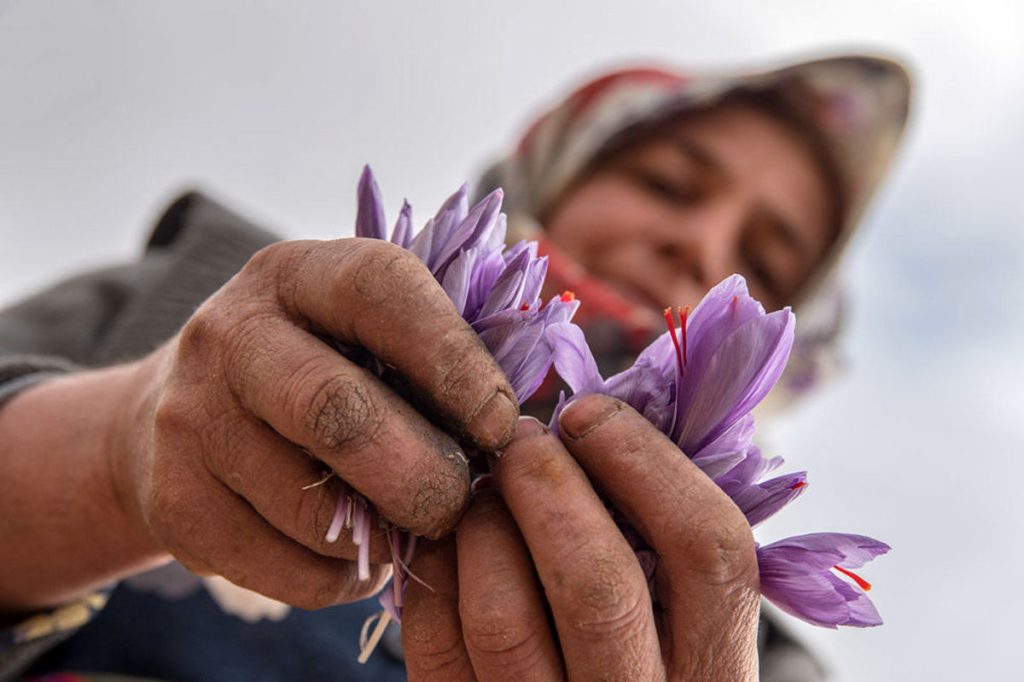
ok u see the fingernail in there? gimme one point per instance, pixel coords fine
(493, 424)
(528, 427)
(584, 415)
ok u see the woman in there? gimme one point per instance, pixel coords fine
(651, 187)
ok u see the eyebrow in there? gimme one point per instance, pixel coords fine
(698, 154)
(707, 160)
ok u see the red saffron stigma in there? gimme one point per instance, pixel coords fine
(568, 296)
(798, 485)
(525, 306)
(861, 583)
(684, 314)
(675, 340)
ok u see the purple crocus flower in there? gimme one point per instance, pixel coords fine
(698, 385)
(801, 576)
(496, 289)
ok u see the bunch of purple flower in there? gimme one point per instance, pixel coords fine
(698, 385)
(495, 289)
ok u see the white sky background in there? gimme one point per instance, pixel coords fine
(108, 107)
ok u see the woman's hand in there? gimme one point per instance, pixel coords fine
(207, 448)
(548, 587)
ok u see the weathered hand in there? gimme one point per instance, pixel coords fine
(246, 406)
(548, 587)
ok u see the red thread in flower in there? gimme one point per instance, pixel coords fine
(861, 583)
(798, 485)
(684, 314)
(670, 321)
(525, 306)
(568, 296)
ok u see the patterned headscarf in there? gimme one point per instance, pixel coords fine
(856, 105)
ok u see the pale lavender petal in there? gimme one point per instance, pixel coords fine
(810, 596)
(736, 438)
(528, 377)
(423, 243)
(761, 501)
(515, 251)
(863, 612)
(752, 468)
(457, 203)
(456, 280)
(728, 384)
(722, 310)
(507, 289)
(649, 392)
(534, 279)
(796, 575)
(845, 549)
(714, 464)
(472, 229)
(370, 211)
(517, 344)
(496, 240)
(573, 360)
(560, 310)
(486, 271)
(442, 228)
(402, 234)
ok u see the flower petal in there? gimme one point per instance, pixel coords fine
(402, 234)
(761, 501)
(370, 211)
(722, 386)
(573, 360)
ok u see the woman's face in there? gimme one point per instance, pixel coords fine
(729, 191)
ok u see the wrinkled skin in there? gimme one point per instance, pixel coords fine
(728, 191)
(542, 541)
(206, 450)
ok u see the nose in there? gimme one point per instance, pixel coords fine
(703, 242)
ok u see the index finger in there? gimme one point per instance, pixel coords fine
(707, 574)
(378, 296)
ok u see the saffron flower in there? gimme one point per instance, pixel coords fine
(799, 575)
(698, 385)
(496, 289)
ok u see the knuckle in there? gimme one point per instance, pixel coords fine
(611, 600)
(198, 333)
(721, 553)
(381, 270)
(466, 368)
(428, 652)
(341, 414)
(506, 641)
(439, 502)
(273, 259)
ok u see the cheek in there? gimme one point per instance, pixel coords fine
(598, 217)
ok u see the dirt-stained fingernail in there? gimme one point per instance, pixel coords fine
(493, 424)
(528, 427)
(585, 414)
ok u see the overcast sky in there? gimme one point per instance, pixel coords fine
(110, 107)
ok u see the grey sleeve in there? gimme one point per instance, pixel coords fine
(124, 312)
